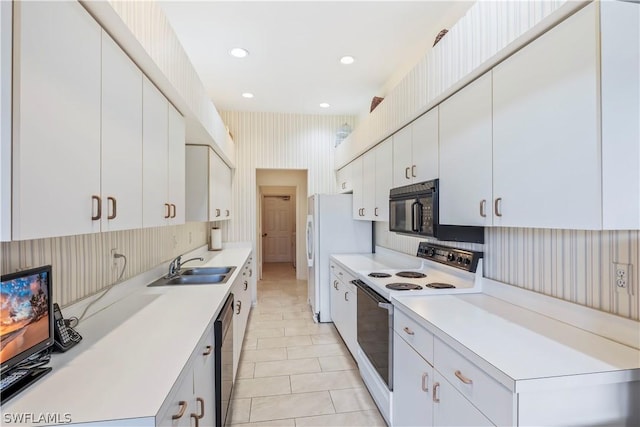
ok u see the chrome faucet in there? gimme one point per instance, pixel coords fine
(177, 263)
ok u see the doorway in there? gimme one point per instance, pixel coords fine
(281, 217)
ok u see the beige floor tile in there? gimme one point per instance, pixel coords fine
(270, 386)
(273, 324)
(353, 419)
(250, 344)
(290, 422)
(350, 400)
(284, 341)
(239, 411)
(310, 329)
(304, 383)
(337, 363)
(326, 339)
(245, 370)
(261, 317)
(266, 354)
(296, 315)
(290, 406)
(286, 367)
(321, 350)
(264, 333)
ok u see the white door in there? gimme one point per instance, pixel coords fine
(277, 229)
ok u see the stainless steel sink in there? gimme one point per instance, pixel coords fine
(207, 270)
(200, 279)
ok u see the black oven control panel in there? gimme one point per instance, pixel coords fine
(458, 258)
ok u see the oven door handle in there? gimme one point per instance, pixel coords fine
(370, 293)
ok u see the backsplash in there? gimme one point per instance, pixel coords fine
(573, 265)
(82, 265)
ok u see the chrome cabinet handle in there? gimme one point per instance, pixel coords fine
(207, 350)
(413, 171)
(408, 331)
(497, 206)
(463, 378)
(114, 207)
(183, 407)
(246, 285)
(239, 307)
(98, 214)
(406, 172)
(483, 208)
(425, 382)
(436, 386)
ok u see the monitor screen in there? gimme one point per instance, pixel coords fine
(26, 324)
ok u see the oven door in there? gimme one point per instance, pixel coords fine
(375, 330)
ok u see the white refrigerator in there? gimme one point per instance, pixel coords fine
(331, 229)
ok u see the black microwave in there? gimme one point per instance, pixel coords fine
(414, 210)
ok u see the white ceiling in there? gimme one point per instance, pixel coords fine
(295, 47)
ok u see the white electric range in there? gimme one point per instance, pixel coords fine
(443, 270)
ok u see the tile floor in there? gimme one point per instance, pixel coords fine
(294, 372)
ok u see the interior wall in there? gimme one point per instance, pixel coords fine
(573, 265)
(294, 183)
(278, 141)
(82, 265)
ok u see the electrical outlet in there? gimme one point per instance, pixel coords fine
(114, 260)
(622, 277)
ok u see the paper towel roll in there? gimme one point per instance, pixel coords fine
(216, 239)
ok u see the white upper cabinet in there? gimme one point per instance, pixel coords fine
(56, 132)
(546, 145)
(371, 175)
(208, 185)
(344, 180)
(176, 166)
(383, 179)
(466, 155)
(156, 207)
(415, 150)
(121, 139)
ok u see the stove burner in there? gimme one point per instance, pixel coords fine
(403, 286)
(379, 275)
(440, 285)
(411, 274)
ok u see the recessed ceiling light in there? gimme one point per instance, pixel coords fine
(324, 105)
(247, 95)
(238, 52)
(347, 60)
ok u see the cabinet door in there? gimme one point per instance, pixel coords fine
(368, 185)
(226, 173)
(350, 318)
(424, 147)
(180, 402)
(402, 158)
(450, 408)
(546, 148)
(156, 208)
(176, 166)
(121, 139)
(412, 382)
(335, 301)
(358, 197)
(56, 129)
(242, 307)
(343, 179)
(466, 155)
(197, 183)
(204, 380)
(384, 178)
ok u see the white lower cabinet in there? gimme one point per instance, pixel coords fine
(242, 306)
(191, 402)
(344, 307)
(451, 408)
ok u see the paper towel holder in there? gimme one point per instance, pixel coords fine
(215, 239)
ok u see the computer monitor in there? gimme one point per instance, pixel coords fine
(26, 315)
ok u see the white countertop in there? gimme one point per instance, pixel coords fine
(381, 260)
(132, 353)
(520, 348)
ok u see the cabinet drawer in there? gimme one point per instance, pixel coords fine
(341, 273)
(414, 334)
(488, 395)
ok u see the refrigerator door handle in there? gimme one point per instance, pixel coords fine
(310, 241)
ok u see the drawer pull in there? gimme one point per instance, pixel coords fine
(183, 407)
(246, 285)
(496, 206)
(239, 307)
(413, 171)
(98, 214)
(436, 398)
(197, 420)
(335, 285)
(345, 296)
(201, 402)
(207, 350)
(408, 331)
(406, 173)
(463, 378)
(483, 208)
(425, 382)
(114, 207)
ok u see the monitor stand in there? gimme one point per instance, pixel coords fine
(32, 376)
